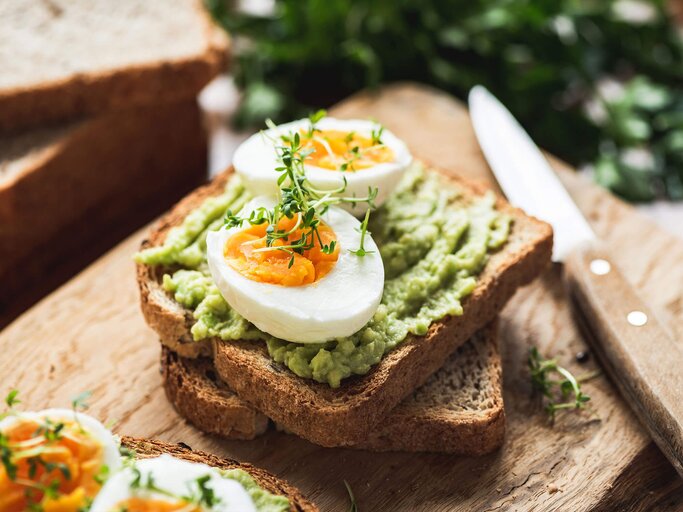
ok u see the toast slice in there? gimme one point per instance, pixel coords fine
(346, 415)
(144, 52)
(146, 159)
(199, 396)
(145, 448)
(459, 410)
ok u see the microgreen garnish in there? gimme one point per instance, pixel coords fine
(199, 491)
(313, 119)
(376, 135)
(88, 504)
(51, 430)
(6, 457)
(203, 494)
(80, 401)
(11, 399)
(352, 498)
(102, 474)
(298, 197)
(38, 479)
(355, 155)
(557, 392)
(355, 152)
(363, 231)
(127, 456)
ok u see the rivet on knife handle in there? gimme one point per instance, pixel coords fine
(641, 357)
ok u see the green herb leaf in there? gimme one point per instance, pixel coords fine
(363, 232)
(317, 116)
(352, 499)
(11, 399)
(80, 401)
(567, 389)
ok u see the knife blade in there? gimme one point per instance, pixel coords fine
(524, 174)
(643, 360)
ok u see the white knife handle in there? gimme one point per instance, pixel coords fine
(640, 356)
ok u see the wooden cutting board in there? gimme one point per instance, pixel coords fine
(90, 335)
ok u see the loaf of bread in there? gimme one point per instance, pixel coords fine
(63, 59)
(68, 194)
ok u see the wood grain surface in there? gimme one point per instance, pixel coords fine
(90, 335)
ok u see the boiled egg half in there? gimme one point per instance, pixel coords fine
(66, 451)
(304, 298)
(166, 483)
(360, 151)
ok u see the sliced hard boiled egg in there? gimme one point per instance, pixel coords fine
(67, 451)
(165, 483)
(352, 149)
(309, 298)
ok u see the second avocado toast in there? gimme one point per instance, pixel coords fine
(63, 460)
(459, 286)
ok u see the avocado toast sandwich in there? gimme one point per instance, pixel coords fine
(450, 255)
(458, 410)
(62, 460)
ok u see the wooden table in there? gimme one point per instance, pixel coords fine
(90, 335)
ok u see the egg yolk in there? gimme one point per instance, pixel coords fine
(244, 251)
(55, 466)
(345, 151)
(152, 505)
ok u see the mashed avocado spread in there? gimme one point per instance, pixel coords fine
(433, 244)
(263, 500)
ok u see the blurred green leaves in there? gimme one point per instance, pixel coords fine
(595, 81)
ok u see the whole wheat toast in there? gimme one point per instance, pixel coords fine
(458, 410)
(145, 448)
(346, 415)
(198, 395)
(63, 60)
(47, 180)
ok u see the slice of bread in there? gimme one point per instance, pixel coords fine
(68, 194)
(199, 396)
(458, 410)
(346, 415)
(64, 59)
(145, 448)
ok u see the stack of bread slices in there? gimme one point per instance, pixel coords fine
(441, 392)
(99, 127)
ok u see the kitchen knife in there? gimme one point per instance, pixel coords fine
(638, 353)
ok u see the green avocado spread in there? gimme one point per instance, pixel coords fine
(264, 501)
(433, 244)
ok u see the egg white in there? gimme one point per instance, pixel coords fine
(255, 161)
(109, 443)
(337, 305)
(177, 477)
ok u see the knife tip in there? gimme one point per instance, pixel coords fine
(478, 91)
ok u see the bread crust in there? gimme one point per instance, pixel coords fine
(200, 397)
(146, 448)
(169, 319)
(346, 415)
